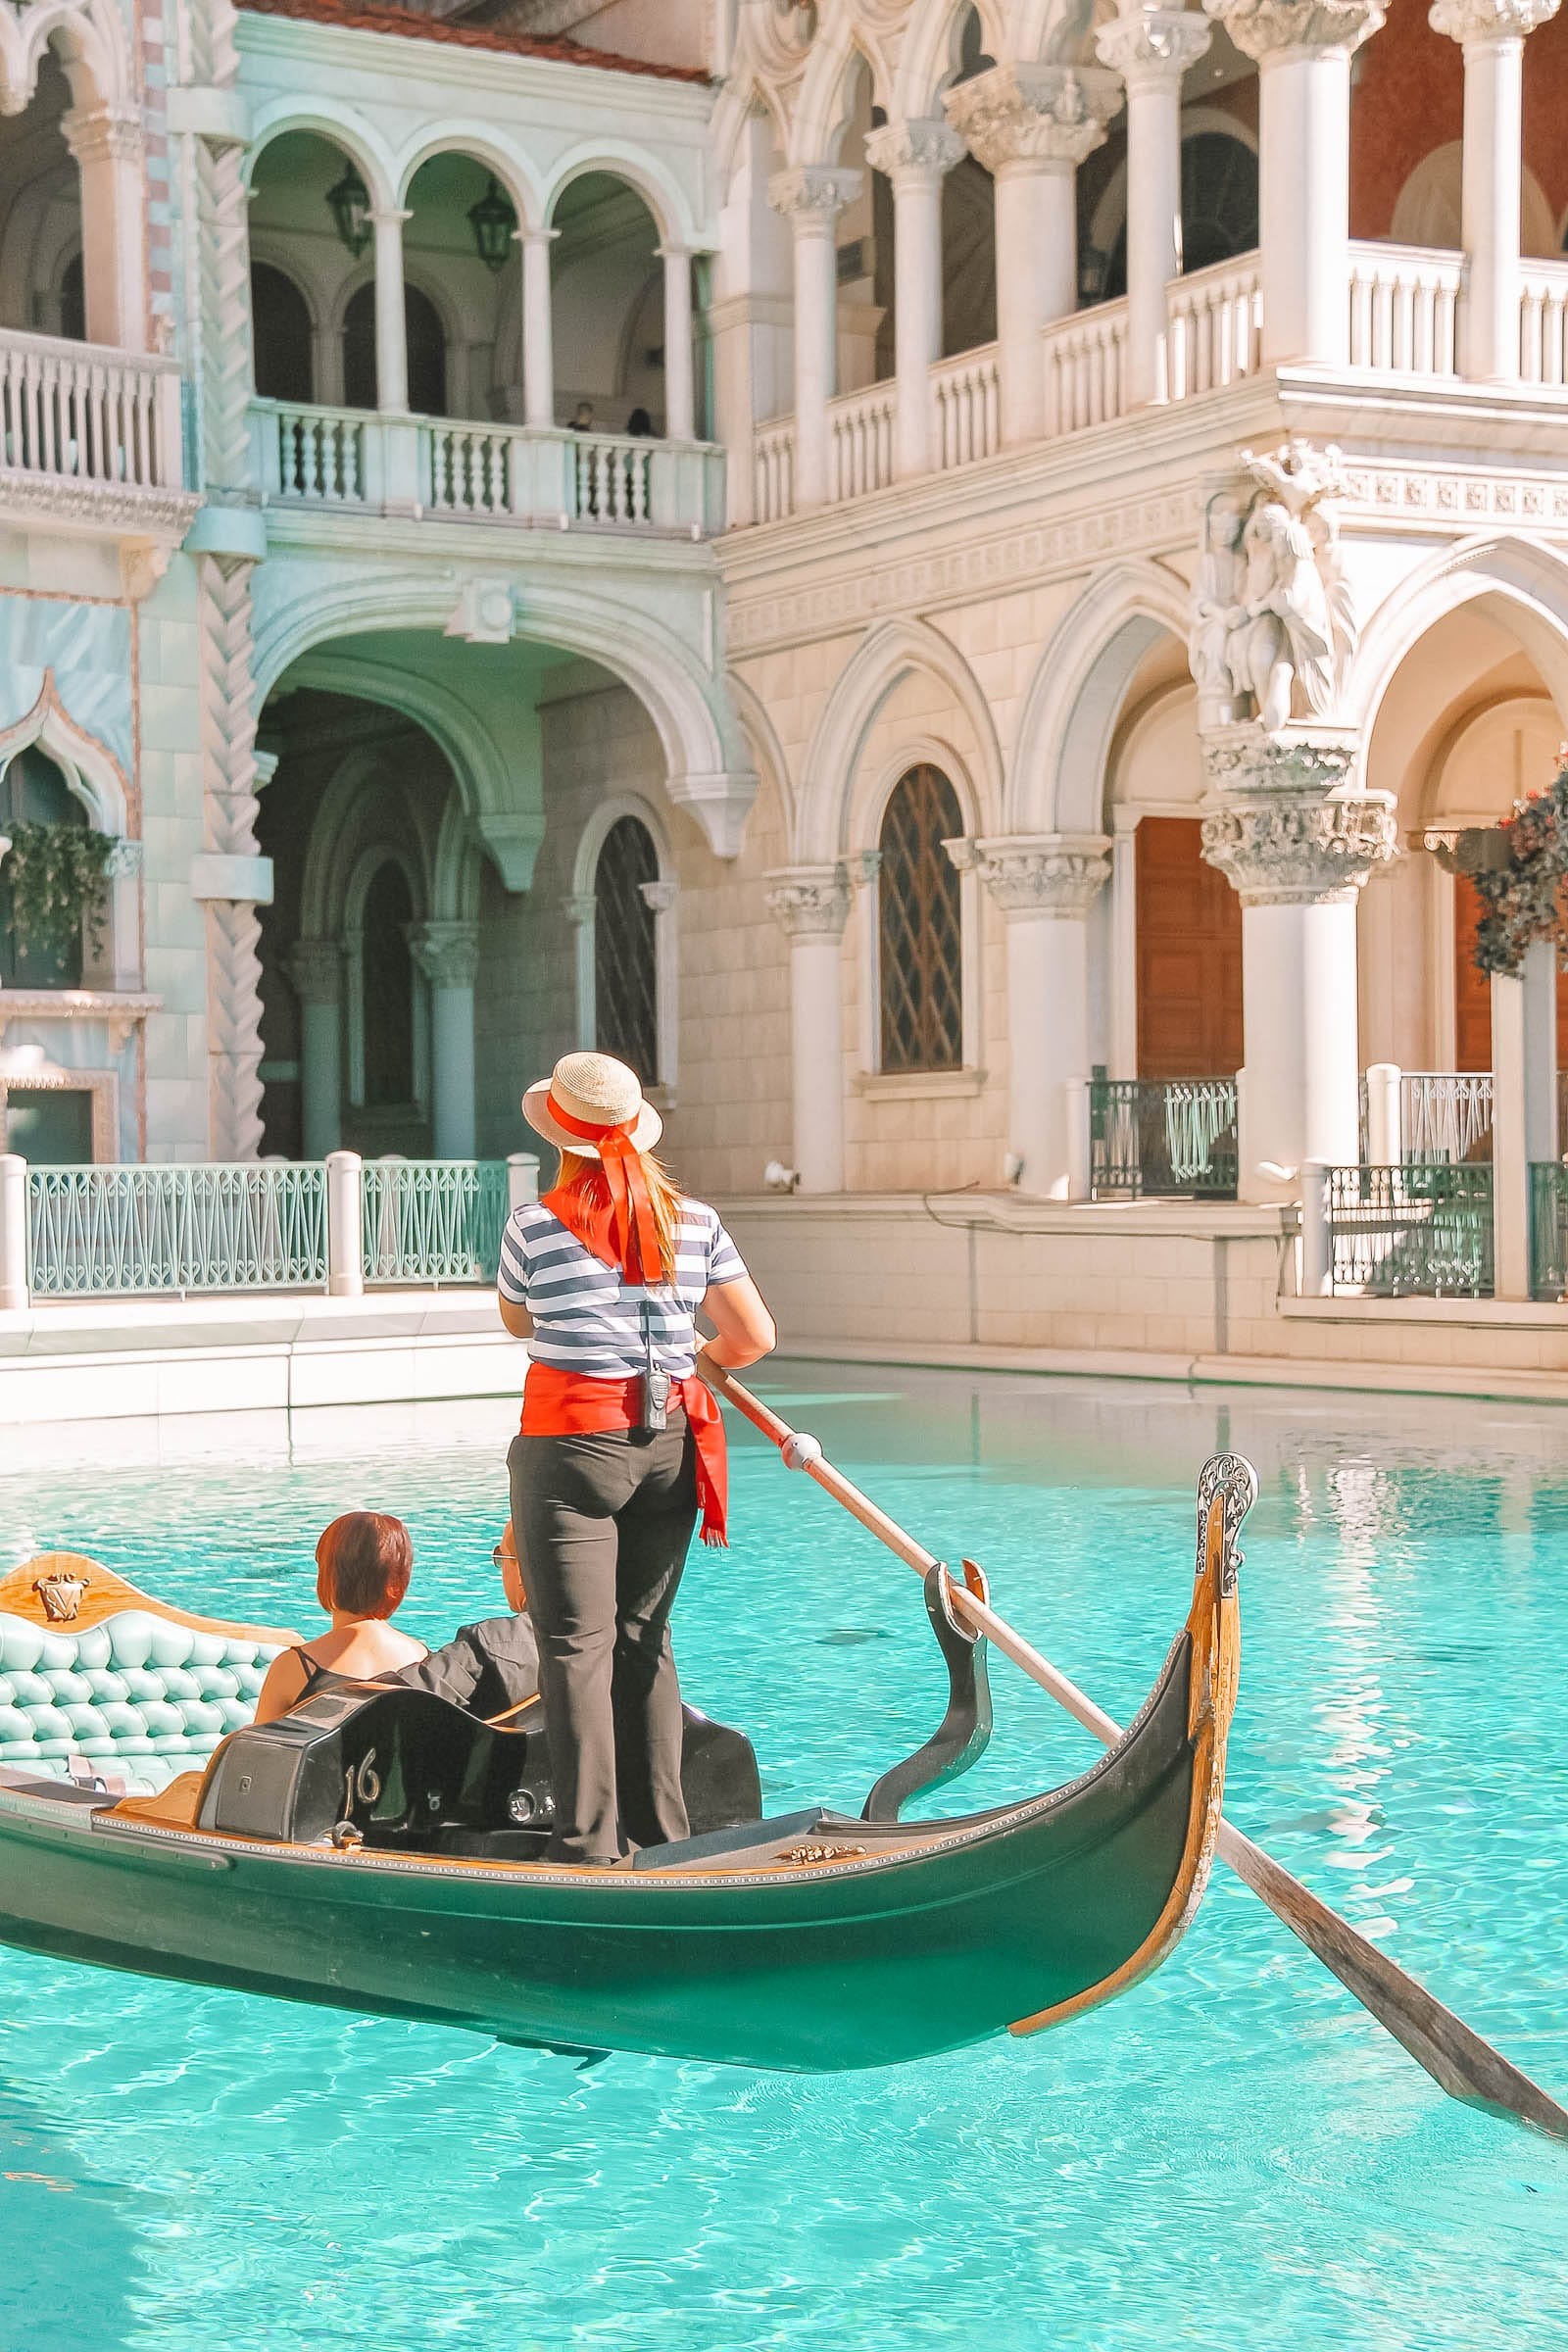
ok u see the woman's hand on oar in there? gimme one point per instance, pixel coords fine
(1457, 2058)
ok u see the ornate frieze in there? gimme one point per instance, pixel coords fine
(446, 952)
(1044, 873)
(1477, 20)
(809, 901)
(817, 190)
(1030, 114)
(1261, 28)
(1283, 820)
(921, 148)
(1153, 45)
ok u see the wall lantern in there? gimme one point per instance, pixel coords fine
(494, 222)
(350, 203)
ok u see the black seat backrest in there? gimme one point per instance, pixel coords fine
(403, 1766)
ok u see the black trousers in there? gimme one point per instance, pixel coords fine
(604, 1522)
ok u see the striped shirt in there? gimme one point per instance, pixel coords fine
(587, 1318)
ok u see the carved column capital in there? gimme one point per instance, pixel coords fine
(314, 967)
(1282, 821)
(809, 902)
(920, 148)
(104, 134)
(1474, 23)
(1153, 47)
(447, 953)
(658, 896)
(1030, 114)
(1044, 873)
(1264, 28)
(813, 194)
(578, 908)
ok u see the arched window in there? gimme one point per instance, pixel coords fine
(625, 983)
(388, 990)
(427, 349)
(281, 335)
(35, 792)
(921, 926)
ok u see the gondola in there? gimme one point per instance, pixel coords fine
(379, 1851)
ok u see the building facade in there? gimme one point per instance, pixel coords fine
(914, 568)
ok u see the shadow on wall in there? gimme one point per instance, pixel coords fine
(70, 2254)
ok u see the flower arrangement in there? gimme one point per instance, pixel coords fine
(55, 876)
(1520, 875)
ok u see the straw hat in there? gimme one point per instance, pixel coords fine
(598, 1091)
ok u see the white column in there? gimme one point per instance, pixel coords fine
(1152, 48)
(522, 1179)
(106, 143)
(749, 316)
(13, 1232)
(1492, 33)
(811, 198)
(1540, 976)
(448, 954)
(1045, 885)
(916, 157)
(1297, 843)
(538, 340)
(812, 905)
(1123, 989)
(1510, 1148)
(1032, 127)
(1385, 1120)
(316, 969)
(391, 324)
(345, 1225)
(1303, 50)
(680, 412)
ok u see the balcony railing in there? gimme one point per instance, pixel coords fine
(1404, 302)
(1544, 323)
(1446, 1114)
(1548, 1230)
(1086, 369)
(348, 459)
(434, 1220)
(860, 441)
(82, 412)
(1420, 1230)
(1162, 1138)
(1215, 331)
(967, 393)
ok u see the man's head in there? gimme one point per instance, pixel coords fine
(582, 414)
(505, 1557)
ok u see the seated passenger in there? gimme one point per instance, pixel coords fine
(491, 1668)
(364, 1562)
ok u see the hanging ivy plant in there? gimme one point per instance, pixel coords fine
(56, 879)
(1519, 868)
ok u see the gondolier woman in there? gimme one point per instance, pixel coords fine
(620, 1443)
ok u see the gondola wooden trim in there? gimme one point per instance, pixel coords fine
(110, 1594)
(1213, 1624)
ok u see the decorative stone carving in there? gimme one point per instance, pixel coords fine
(1468, 20)
(107, 134)
(820, 191)
(446, 952)
(809, 901)
(1152, 44)
(142, 565)
(921, 148)
(233, 934)
(1283, 822)
(124, 860)
(1029, 114)
(223, 242)
(658, 896)
(1263, 28)
(1273, 625)
(1044, 873)
(580, 907)
(316, 969)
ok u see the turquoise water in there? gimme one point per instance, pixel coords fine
(1233, 2155)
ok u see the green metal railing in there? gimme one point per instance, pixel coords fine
(1420, 1230)
(1548, 1229)
(1162, 1138)
(107, 1232)
(434, 1220)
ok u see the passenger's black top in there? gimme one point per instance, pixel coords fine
(486, 1668)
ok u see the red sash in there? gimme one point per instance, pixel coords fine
(564, 1404)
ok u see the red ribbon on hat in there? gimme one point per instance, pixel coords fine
(636, 1235)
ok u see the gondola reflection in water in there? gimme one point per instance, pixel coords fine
(378, 1851)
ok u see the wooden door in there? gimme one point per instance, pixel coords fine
(1472, 990)
(1189, 957)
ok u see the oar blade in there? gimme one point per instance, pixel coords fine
(1466, 2067)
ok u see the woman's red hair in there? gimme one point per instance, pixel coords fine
(364, 1562)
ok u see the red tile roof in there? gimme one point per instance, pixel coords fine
(415, 28)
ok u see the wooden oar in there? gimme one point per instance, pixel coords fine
(1466, 2067)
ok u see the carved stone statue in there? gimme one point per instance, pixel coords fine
(1273, 626)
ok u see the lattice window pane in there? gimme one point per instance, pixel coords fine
(921, 931)
(388, 990)
(626, 992)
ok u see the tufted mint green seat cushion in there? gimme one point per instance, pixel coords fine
(135, 1695)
